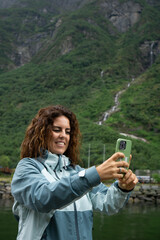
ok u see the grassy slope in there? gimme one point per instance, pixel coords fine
(139, 115)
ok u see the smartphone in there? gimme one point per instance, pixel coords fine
(124, 146)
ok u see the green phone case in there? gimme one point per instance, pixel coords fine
(124, 146)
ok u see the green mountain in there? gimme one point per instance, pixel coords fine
(81, 54)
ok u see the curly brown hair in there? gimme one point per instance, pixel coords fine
(38, 134)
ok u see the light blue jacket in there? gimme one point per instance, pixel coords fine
(55, 201)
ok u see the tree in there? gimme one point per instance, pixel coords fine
(4, 161)
(156, 177)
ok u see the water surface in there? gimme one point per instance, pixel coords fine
(134, 222)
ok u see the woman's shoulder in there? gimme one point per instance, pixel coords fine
(28, 164)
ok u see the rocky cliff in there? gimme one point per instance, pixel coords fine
(122, 15)
(8, 3)
(42, 21)
(66, 4)
(45, 5)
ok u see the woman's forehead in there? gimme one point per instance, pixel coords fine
(61, 121)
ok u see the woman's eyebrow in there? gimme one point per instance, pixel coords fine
(54, 126)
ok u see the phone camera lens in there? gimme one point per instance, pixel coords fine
(122, 145)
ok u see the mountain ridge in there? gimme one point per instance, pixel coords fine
(27, 43)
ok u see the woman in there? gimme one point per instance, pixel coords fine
(55, 197)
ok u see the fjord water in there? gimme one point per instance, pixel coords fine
(134, 222)
(8, 224)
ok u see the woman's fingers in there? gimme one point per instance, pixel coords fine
(121, 171)
(116, 156)
(129, 177)
(129, 181)
(130, 159)
(122, 164)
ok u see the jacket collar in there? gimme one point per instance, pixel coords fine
(56, 162)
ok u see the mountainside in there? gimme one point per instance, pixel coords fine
(81, 54)
(48, 5)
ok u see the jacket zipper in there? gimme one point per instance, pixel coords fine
(56, 167)
(76, 221)
(75, 208)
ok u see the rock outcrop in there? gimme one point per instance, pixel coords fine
(51, 6)
(5, 190)
(7, 3)
(146, 194)
(122, 15)
(149, 51)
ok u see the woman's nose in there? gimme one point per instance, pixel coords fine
(62, 134)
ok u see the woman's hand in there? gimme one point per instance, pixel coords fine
(111, 168)
(128, 182)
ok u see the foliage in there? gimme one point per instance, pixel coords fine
(4, 161)
(156, 177)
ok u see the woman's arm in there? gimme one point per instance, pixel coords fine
(112, 199)
(108, 199)
(31, 189)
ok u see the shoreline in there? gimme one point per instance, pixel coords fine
(146, 193)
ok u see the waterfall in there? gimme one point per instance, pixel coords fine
(151, 53)
(102, 72)
(115, 108)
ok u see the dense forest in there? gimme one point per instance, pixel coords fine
(81, 56)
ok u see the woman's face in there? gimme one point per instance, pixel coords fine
(60, 135)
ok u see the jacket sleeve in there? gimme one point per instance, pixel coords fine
(108, 199)
(31, 189)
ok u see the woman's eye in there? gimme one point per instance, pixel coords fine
(56, 130)
(68, 132)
